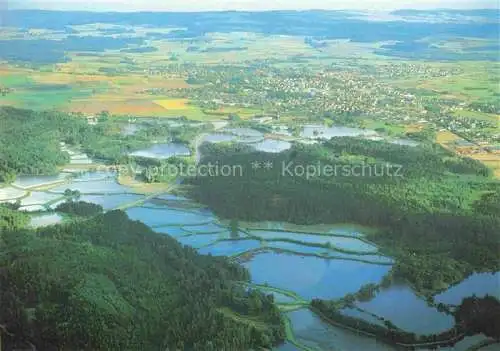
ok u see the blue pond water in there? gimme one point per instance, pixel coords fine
(286, 347)
(272, 146)
(163, 151)
(313, 277)
(31, 181)
(323, 132)
(296, 247)
(219, 138)
(206, 228)
(108, 186)
(157, 217)
(91, 176)
(227, 248)
(172, 231)
(198, 241)
(111, 201)
(401, 306)
(479, 284)
(350, 244)
(311, 331)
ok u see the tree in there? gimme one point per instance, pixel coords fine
(234, 227)
(480, 315)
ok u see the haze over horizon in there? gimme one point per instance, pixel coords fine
(252, 5)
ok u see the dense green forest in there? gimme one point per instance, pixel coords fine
(427, 214)
(109, 283)
(480, 315)
(79, 208)
(29, 140)
(10, 219)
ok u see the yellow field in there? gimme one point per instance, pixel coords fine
(445, 136)
(66, 78)
(173, 104)
(118, 106)
(412, 128)
(490, 160)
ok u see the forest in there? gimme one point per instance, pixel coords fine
(109, 283)
(79, 208)
(11, 219)
(426, 218)
(29, 140)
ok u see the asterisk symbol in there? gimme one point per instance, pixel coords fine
(268, 165)
(255, 164)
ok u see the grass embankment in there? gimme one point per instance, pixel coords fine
(143, 187)
(290, 336)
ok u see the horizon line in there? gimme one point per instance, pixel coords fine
(497, 9)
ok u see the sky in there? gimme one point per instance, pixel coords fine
(203, 5)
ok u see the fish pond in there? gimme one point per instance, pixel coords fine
(230, 247)
(163, 151)
(479, 284)
(311, 331)
(323, 132)
(406, 310)
(313, 277)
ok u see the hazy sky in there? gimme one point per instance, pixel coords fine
(200, 5)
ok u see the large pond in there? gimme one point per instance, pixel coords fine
(38, 198)
(109, 186)
(218, 138)
(245, 132)
(246, 135)
(208, 228)
(272, 146)
(166, 217)
(324, 132)
(341, 243)
(349, 230)
(324, 252)
(35, 181)
(10, 193)
(112, 201)
(163, 151)
(479, 284)
(313, 277)
(312, 332)
(230, 248)
(96, 175)
(401, 306)
(198, 241)
(172, 231)
(304, 249)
